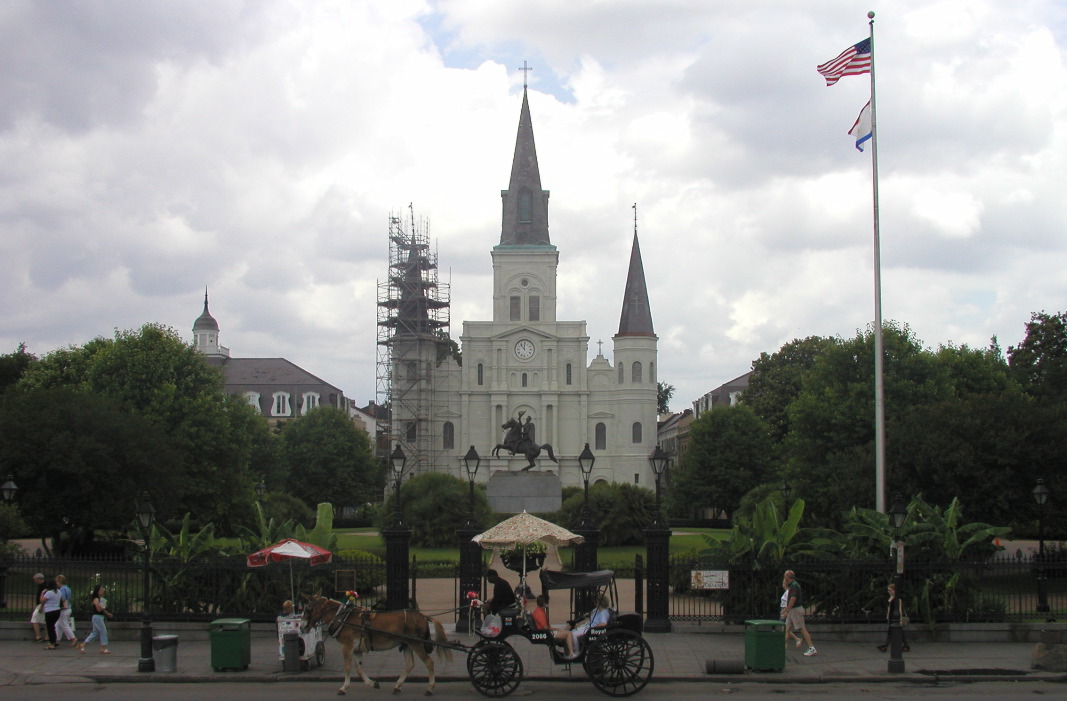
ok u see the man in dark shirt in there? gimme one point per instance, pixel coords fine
(503, 595)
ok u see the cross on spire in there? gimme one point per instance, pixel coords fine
(600, 348)
(525, 74)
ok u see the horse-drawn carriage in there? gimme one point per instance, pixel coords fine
(616, 658)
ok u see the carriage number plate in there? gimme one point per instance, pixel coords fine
(538, 636)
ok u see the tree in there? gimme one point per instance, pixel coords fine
(330, 460)
(664, 392)
(729, 452)
(621, 510)
(1039, 362)
(153, 373)
(777, 379)
(13, 366)
(435, 505)
(81, 460)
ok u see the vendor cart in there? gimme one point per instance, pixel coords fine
(312, 644)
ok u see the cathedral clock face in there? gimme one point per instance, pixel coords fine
(524, 349)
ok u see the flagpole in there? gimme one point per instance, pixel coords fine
(879, 352)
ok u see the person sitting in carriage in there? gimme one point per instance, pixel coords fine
(599, 618)
(540, 619)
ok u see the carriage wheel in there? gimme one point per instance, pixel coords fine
(320, 654)
(620, 663)
(494, 668)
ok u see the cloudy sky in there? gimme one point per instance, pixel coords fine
(148, 149)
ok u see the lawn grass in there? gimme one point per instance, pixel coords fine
(368, 540)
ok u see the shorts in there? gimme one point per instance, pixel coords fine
(796, 618)
(37, 616)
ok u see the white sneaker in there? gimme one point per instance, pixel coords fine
(810, 651)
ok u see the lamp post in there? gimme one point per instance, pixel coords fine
(261, 489)
(657, 545)
(8, 489)
(470, 553)
(146, 515)
(898, 514)
(1041, 494)
(397, 539)
(585, 555)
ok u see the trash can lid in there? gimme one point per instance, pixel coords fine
(167, 636)
(764, 622)
(231, 622)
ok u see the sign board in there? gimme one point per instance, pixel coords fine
(709, 579)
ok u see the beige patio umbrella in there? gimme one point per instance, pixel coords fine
(525, 528)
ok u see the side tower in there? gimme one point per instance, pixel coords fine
(635, 347)
(206, 334)
(413, 328)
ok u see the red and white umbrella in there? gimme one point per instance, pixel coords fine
(290, 549)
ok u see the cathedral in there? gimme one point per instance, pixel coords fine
(523, 363)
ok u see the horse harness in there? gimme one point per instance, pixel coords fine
(340, 620)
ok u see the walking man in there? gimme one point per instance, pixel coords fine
(793, 613)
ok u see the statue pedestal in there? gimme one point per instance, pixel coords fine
(533, 492)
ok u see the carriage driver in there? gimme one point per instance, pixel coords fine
(503, 595)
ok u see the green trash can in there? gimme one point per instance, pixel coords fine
(765, 645)
(231, 644)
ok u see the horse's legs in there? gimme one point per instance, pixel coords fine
(346, 651)
(427, 659)
(363, 675)
(409, 663)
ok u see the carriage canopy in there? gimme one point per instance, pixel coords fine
(574, 580)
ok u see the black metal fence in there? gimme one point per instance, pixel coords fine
(854, 592)
(203, 589)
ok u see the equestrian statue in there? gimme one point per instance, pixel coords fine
(520, 439)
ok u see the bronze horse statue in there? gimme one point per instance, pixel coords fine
(517, 442)
(360, 630)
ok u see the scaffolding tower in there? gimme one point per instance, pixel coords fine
(413, 336)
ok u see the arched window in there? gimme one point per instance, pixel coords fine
(637, 431)
(412, 370)
(448, 436)
(621, 372)
(635, 373)
(525, 380)
(651, 372)
(281, 405)
(411, 431)
(481, 374)
(570, 374)
(253, 400)
(601, 437)
(534, 306)
(311, 401)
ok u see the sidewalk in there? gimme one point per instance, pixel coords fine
(679, 656)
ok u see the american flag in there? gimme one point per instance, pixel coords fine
(855, 60)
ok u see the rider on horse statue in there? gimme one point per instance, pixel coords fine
(521, 439)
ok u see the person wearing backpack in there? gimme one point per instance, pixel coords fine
(99, 632)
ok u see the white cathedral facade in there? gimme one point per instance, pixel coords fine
(527, 360)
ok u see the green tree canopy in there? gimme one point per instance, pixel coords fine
(777, 379)
(330, 459)
(729, 452)
(435, 505)
(622, 511)
(1039, 362)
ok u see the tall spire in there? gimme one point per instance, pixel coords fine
(636, 318)
(205, 322)
(525, 219)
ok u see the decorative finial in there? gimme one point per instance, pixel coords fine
(525, 74)
(870, 15)
(635, 219)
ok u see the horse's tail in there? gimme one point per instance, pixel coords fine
(551, 455)
(444, 652)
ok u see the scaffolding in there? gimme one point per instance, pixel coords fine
(413, 336)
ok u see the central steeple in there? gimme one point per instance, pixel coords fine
(525, 218)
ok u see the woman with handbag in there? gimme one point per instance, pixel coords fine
(895, 608)
(99, 607)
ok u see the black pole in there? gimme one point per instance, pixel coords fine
(397, 568)
(586, 557)
(896, 630)
(1042, 575)
(147, 663)
(470, 567)
(657, 546)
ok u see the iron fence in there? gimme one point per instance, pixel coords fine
(1001, 589)
(198, 590)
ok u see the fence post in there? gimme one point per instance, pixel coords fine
(397, 541)
(639, 585)
(657, 545)
(470, 573)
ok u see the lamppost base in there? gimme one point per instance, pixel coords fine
(895, 666)
(147, 662)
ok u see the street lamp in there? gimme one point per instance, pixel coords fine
(146, 514)
(398, 460)
(9, 489)
(898, 514)
(1041, 495)
(586, 460)
(659, 461)
(470, 553)
(657, 549)
(471, 462)
(787, 494)
(261, 488)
